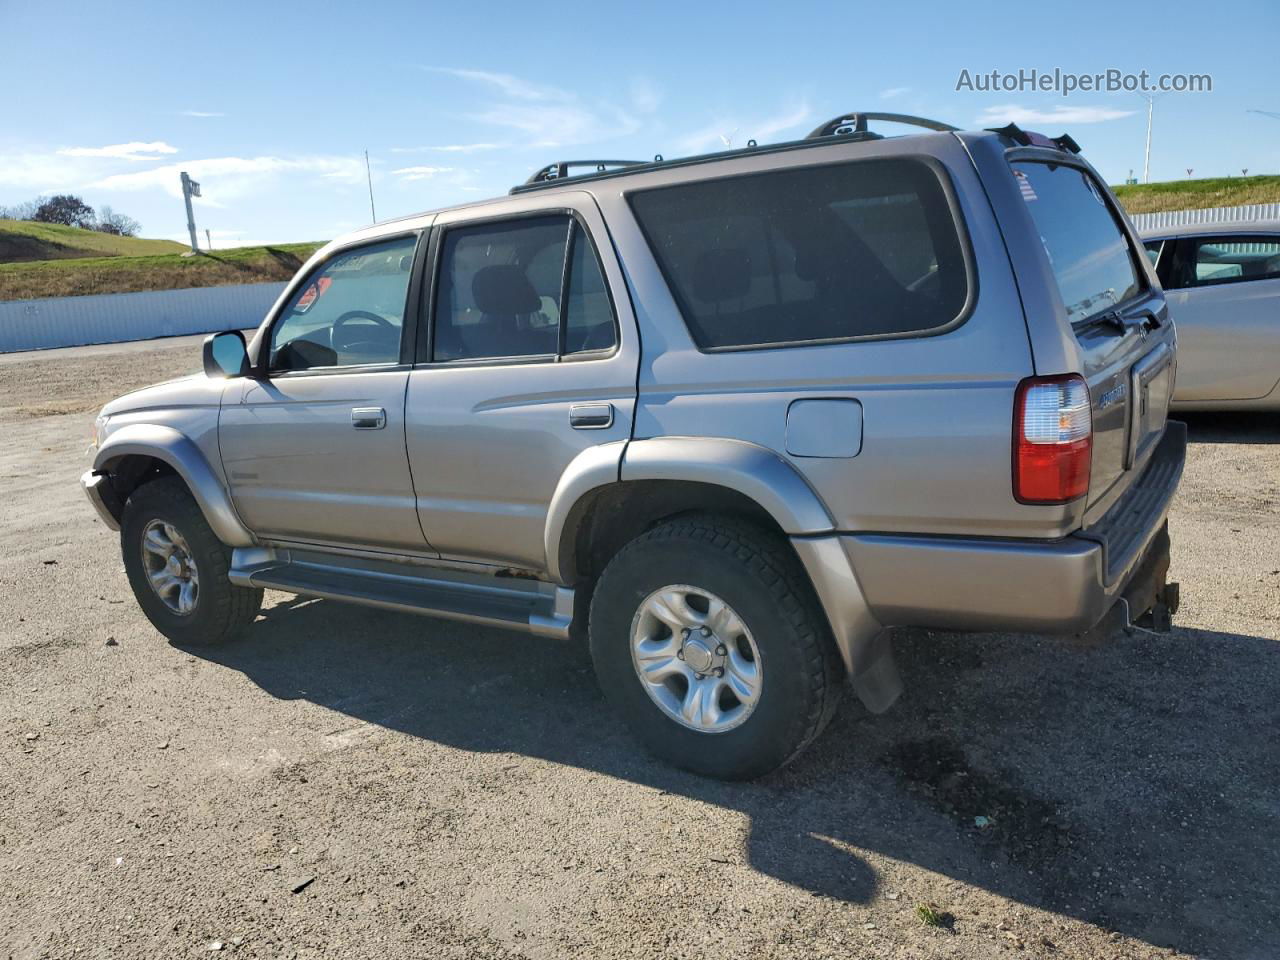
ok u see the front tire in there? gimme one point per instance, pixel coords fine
(178, 567)
(708, 640)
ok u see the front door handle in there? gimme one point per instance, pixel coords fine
(368, 418)
(591, 416)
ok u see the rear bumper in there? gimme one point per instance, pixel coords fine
(1059, 586)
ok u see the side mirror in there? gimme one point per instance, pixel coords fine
(225, 355)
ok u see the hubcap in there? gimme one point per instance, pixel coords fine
(169, 566)
(696, 658)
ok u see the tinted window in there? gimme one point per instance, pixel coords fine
(1088, 251)
(1153, 250)
(503, 288)
(588, 314)
(821, 253)
(1234, 259)
(351, 310)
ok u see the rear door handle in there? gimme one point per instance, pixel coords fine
(368, 418)
(591, 416)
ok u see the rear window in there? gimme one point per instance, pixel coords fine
(1087, 248)
(865, 249)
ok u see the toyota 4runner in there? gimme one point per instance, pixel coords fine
(730, 416)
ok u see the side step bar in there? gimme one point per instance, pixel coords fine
(534, 606)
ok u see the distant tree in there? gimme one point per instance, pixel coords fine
(68, 210)
(21, 211)
(116, 223)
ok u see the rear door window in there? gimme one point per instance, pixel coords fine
(522, 288)
(1232, 259)
(809, 255)
(1088, 250)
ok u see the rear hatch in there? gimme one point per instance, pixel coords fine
(1117, 318)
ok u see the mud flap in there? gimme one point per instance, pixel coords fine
(878, 684)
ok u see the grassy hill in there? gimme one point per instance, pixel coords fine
(22, 240)
(1198, 194)
(164, 271)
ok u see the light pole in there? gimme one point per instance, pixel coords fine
(1146, 160)
(190, 189)
(369, 176)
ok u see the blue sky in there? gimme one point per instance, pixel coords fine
(270, 105)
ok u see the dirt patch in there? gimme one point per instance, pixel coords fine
(352, 782)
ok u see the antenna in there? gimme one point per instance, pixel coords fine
(373, 214)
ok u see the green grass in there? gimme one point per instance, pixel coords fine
(166, 271)
(23, 240)
(1197, 194)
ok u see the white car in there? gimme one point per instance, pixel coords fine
(1222, 283)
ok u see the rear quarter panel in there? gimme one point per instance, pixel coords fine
(936, 411)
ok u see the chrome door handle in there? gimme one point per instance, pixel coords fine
(368, 418)
(591, 416)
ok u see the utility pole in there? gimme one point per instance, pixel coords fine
(369, 175)
(208, 240)
(190, 189)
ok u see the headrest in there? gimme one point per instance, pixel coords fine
(722, 275)
(504, 290)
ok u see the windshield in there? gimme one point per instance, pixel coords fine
(1087, 249)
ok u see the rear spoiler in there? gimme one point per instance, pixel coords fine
(1029, 138)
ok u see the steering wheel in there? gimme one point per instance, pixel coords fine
(375, 341)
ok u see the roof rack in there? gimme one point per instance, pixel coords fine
(847, 126)
(558, 171)
(855, 124)
(1029, 138)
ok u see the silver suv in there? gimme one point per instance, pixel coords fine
(730, 416)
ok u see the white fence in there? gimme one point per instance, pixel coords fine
(117, 317)
(1178, 218)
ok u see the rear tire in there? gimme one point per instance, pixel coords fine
(178, 568)
(779, 677)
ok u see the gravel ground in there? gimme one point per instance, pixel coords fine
(359, 783)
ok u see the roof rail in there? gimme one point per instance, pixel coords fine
(558, 171)
(855, 124)
(1029, 138)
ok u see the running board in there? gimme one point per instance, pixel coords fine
(534, 606)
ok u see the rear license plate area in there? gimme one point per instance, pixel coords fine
(1151, 386)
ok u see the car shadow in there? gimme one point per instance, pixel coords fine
(1228, 427)
(1132, 784)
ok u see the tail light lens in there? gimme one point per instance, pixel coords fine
(1053, 439)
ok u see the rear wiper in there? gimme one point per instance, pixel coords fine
(1111, 318)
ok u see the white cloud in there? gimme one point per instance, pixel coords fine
(554, 125)
(134, 150)
(451, 148)
(893, 92)
(419, 173)
(550, 116)
(226, 178)
(645, 96)
(1012, 113)
(201, 113)
(713, 136)
(505, 83)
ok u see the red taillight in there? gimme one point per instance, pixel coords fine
(1052, 439)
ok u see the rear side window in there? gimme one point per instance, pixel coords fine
(866, 249)
(1087, 248)
(1231, 259)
